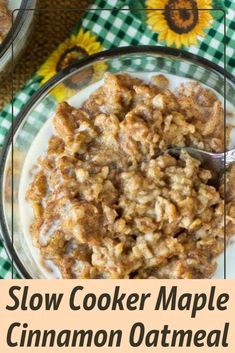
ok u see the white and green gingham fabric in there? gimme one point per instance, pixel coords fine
(116, 25)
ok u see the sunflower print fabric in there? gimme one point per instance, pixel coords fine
(75, 48)
(177, 23)
(180, 22)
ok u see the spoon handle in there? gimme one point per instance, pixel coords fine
(230, 157)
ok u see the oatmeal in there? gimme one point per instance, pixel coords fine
(109, 204)
(5, 20)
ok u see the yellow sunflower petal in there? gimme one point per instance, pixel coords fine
(93, 48)
(48, 69)
(170, 38)
(177, 41)
(80, 34)
(185, 39)
(204, 4)
(199, 32)
(157, 26)
(61, 92)
(156, 4)
(156, 19)
(81, 40)
(162, 36)
(193, 40)
(204, 23)
(86, 38)
(73, 39)
(154, 16)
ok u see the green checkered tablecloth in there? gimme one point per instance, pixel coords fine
(117, 23)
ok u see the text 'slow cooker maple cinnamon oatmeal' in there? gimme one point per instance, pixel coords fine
(108, 204)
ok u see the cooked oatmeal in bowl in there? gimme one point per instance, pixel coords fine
(86, 202)
(109, 203)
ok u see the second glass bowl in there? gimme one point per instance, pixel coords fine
(17, 38)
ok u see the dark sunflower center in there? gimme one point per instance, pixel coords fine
(181, 15)
(70, 56)
(184, 14)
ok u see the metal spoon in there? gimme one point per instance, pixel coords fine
(215, 162)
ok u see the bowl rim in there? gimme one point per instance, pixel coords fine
(106, 54)
(16, 27)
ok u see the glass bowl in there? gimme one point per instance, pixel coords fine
(22, 26)
(68, 83)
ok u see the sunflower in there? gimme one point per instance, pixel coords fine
(76, 47)
(180, 21)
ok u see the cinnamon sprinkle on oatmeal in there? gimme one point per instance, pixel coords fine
(107, 206)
